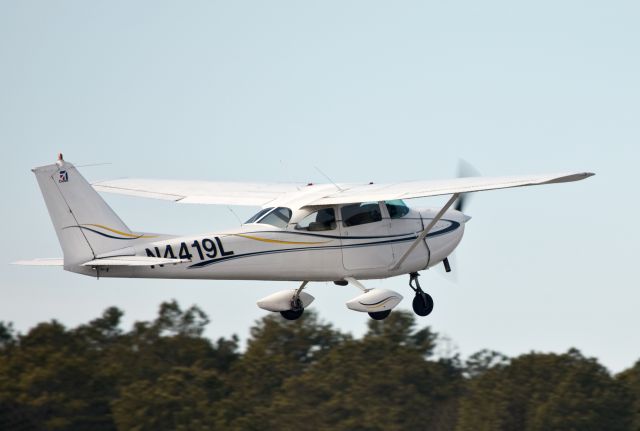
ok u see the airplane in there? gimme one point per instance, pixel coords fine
(340, 233)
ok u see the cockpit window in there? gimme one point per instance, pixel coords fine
(366, 212)
(259, 214)
(324, 219)
(278, 217)
(397, 208)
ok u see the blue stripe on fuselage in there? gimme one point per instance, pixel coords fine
(402, 238)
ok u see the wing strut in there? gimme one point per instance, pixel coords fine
(426, 230)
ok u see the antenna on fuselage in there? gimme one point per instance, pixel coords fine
(94, 164)
(327, 177)
(235, 215)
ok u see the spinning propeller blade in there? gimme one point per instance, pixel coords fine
(465, 169)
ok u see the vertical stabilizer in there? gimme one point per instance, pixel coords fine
(86, 226)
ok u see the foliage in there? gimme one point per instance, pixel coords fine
(545, 392)
(631, 379)
(304, 375)
(381, 382)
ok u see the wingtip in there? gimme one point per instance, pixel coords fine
(584, 175)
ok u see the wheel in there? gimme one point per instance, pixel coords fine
(292, 314)
(380, 315)
(422, 304)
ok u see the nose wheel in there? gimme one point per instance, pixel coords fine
(422, 302)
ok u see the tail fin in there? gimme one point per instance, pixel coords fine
(86, 226)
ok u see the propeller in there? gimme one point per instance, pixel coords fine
(465, 169)
(461, 203)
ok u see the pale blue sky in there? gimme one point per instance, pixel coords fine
(380, 91)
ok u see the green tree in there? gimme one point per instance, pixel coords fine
(303, 375)
(483, 361)
(7, 335)
(57, 378)
(169, 374)
(545, 392)
(180, 399)
(50, 373)
(631, 379)
(381, 382)
(173, 339)
(277, 350)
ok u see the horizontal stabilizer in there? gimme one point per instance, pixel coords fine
(133, 261)
(45, 261)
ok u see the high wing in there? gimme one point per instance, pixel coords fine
(419, 189)
(199, 192)
(275, 194)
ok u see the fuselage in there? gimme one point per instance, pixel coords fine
(355, 247)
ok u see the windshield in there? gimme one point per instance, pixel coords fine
(259, 214)
(278, 217)
(397, 208)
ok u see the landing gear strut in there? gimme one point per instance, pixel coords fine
(378, 303)
(422, 302)
(296, 305)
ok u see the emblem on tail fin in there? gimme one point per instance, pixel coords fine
(63, 177)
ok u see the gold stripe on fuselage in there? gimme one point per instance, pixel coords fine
(120, 232)
(277, 241)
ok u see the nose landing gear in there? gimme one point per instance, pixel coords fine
(422, 302)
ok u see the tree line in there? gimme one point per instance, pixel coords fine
(294, 375)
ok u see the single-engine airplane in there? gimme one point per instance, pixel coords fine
(341, 233)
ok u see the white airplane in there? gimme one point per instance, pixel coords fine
(342, 233)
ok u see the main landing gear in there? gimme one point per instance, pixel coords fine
(377, 303)
(422, 302)
(297, 307)
(289, 303)
(379, 315)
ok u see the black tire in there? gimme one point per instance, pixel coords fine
(422, 304)
(380, 315)
(292, 314)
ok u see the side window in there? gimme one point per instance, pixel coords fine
(397, 208)
(366, 212)
(279, 217)
(324, 219)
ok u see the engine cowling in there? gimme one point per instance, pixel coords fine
(375, 300)
(281, 301)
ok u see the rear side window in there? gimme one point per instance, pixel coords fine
(324, 219)
(356, 214)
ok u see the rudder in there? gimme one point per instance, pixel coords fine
(85, 224)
